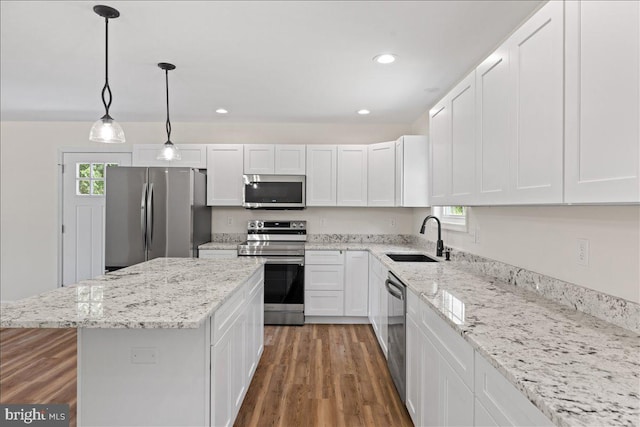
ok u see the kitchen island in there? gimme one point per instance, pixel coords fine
(172, 341)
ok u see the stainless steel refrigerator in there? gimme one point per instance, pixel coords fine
(154, 212)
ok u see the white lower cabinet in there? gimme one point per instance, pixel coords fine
(450, 384)
(237, 342)
(336, 284)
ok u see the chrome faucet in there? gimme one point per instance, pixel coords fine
(440, 243)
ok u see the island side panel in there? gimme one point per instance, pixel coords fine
(145, 377)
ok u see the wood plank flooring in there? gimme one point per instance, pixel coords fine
(39, 366)
(314, 375)
(322, 375)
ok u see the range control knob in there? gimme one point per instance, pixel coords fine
(301, 225)
(252, 224)
(294, 225)
(260, 224)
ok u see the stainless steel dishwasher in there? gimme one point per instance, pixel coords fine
(397, 303)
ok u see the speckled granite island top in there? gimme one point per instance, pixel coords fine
(162, 293)
(577, 369)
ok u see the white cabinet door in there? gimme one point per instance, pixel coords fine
(463, 137)
(255, 337)
(373, 294)
(536, 59)
(290, 159)
(383, 309)
(382, 175)
(456, 399)
(412, 171)
(429, 407)
(221, 398)
(501, 400)
(440, 153)
(356, 283)
(321, 175)
(224, 174)
(352, 175)
(413, 363)
(259, 158)
(481, 417)
(602, 106)
(238, 363)
(494, 128)
(192, 156)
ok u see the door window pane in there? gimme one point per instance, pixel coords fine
(90, 178)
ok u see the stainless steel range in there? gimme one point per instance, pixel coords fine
(282, 244)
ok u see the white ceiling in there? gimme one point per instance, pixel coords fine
(265, 61)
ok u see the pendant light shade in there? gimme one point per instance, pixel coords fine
(106, 130)
(168, 151)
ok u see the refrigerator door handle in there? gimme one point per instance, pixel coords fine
(142, 215)
(150, 214)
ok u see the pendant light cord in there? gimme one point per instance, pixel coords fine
(106, 88)
(168, 124)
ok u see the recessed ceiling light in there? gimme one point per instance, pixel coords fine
(221, 111)
(384, 58)
(363, 112)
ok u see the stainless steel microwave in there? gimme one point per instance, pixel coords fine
(274, 191)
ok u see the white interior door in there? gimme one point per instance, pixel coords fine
(83, 187)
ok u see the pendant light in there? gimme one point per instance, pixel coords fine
(106, 129)
(169, 151)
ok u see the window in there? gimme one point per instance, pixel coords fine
(90, 178)
(452, 217)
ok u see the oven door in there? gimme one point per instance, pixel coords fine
(284, 291)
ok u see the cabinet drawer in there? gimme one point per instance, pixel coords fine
(324, 277)
(324, 303)
(324, 257)
(457, 352)
(225, 315)
(501, 400)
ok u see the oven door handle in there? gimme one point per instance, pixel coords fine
(285, 260)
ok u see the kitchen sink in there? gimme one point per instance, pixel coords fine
(411, 258)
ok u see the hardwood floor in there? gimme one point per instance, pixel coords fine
(314, 375)
(39, 366)
(322, 375)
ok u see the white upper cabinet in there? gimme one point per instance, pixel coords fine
(259, 158)
(321, 175)
(536, 61)
(494, 128)
(224, 174)
(274, 159)
(290, 159)
(382, 175)
(412, 169)
(602, 105)
(352, 175)
(193, 156)
(440, 145)
(463, 136)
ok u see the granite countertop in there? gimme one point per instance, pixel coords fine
(218, 245)
(162, 293)
(577, 369)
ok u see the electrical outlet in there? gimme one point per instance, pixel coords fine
(229, 220)
(322, 222)
(582, 252)
(392, 222)
(476, 236)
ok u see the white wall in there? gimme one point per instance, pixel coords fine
(322, 220)
(543, 239)
(29, 180)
